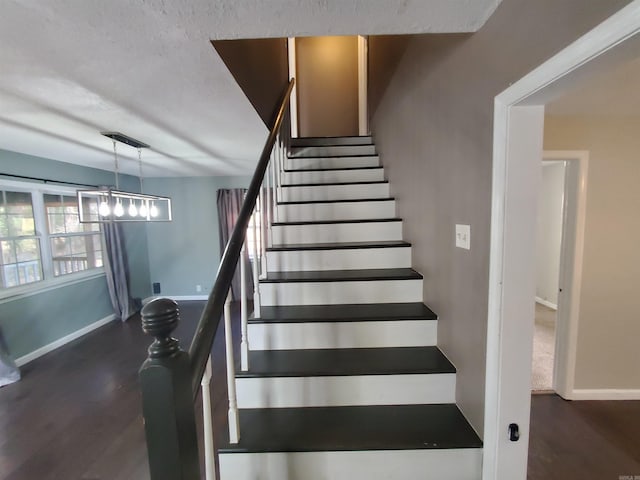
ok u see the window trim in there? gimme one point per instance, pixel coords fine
(49, 281)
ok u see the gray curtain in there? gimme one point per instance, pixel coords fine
(9, 372)
(117, 269)
(229, 204)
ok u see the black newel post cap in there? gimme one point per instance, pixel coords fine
(160, 318)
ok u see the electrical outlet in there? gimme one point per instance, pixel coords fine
(156, 288)
(463, 236)
(198, 288)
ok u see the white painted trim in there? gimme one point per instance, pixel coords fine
(363, 80)
(546, 303)
(499, 462)
(605, 394)
(177, 298)
(571, 256)
(36, 288)
(293, 101)
(64, 340)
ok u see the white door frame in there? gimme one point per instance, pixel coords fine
(293, 99)
(517, 150)
(363, 81)
(571, 254)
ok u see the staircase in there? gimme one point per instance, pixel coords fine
(345, 380)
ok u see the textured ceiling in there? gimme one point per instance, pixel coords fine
(72, 68)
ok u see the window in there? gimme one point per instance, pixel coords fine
(74, 246)
(41, 236)
(21, 262)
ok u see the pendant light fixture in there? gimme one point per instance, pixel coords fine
(114, 205)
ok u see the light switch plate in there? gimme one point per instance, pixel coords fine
(463, 236)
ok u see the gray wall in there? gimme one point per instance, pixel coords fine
(433, 129)
(327, 76)
(186, 252)
(33, 321)
(608, 330)
(549, 238)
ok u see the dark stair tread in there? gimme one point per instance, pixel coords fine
(338, 246)
(329, 222)
(347, 361)
(345, 313)
(352, 428)
(365, 182)
(349, 200)
(332, 169)
(306, 155)
(343, 275)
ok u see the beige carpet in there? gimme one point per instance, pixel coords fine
(544, 340)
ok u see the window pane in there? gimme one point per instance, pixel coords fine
(27, 250)
(29, 272)
(79, 244)
(20, 225)
(8, 252)
(10, 275)
(60, 247)
(20, 203)
(4, 225)
(55, 223)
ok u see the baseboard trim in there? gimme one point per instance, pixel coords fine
(605, 394)
(546, 303)
(29, 357)
(177, 298)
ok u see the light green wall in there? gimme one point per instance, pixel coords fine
(186, 252)
(33, 321)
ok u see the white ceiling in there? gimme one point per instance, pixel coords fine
(72, 68)
(614, 92)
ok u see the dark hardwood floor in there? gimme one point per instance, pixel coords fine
(586, 440)
(76, 415)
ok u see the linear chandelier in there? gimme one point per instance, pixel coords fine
(108, 204)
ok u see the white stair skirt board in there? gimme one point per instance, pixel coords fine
(297, 212)
(333, 150)
(336, 391)
(334, 192)
(333, 176)
(332, 162)
(427, 464)
(339, 259)
(339, 292)
(364, 334)
(338, 232)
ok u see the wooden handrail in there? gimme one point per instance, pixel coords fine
(210, 318)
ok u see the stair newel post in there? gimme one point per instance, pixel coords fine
(244, 342)
(256, 282)
(207, 417)
(167, 402)
(234, 421)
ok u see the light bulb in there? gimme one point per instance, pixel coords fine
(133, 211)
(118, 210)
(153, 211)
(143, 209)
(104, 209)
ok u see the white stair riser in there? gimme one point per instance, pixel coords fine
(426, 464)
(293, 392)
(333, 150)
(364, 334)
(345, 259)
(339, 232)
(334, 192)
(336, 211)
(323, 141)
(331, 162)
(332, 293)
(333, 176)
